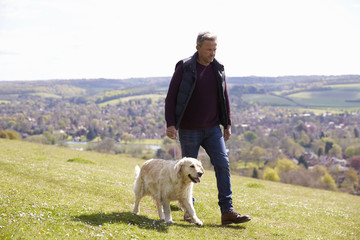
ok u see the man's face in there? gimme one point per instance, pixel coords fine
(206, 52)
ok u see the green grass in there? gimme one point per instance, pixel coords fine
(337, 97)
(267, 99)
(329, 99)
(154, 97)
(44, 196)
(334, 98)
(349, 87)
(146, 141)
(81, 160)
(46, 95)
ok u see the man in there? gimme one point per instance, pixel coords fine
(196, 104)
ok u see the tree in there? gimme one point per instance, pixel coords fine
(352, 151)
(304, 139)
(290, 147)
(128, 137)
(160, 153)
(271, 175)
(320, 151)
(12, 135)
(284, 165)
(328, 146)
(250, 136)
(328, 143)
(356, 132)
(300, 126)
(107, 145)
(351, 180)
(245, 155)
(328, 182)
(91, 134)
(336, 151)
(255, 173)
(256, 154)
(302, 161)
(355, 162)
(3, 134)
(50, 138)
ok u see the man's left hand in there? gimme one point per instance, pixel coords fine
(227, 133)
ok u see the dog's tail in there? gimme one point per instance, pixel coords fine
(137, 171)
(137, 182)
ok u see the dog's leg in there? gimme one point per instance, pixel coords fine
(136, 205)
(160, 209)
(167, 211)
(189, 208)
(138, 195)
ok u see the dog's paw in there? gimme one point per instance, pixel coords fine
(169, 222)
(199, 223)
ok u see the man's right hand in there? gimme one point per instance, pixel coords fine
(171, 132)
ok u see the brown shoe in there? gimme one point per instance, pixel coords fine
(231, 216)
(187, 218)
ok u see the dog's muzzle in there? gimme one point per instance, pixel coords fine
(197, 179)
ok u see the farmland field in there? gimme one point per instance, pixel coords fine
(336, 96)
(268, 99)
(153, 97)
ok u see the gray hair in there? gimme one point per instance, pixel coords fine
(202, 36)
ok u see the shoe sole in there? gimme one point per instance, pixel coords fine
(230, 222)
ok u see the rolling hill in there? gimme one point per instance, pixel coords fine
(49, 192)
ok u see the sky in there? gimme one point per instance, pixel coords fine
(84, 39)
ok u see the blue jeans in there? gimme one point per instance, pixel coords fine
(213, 142)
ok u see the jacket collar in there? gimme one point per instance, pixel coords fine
(217, 65)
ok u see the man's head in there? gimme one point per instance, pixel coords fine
(206, 47)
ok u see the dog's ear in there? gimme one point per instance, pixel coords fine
(179, 165)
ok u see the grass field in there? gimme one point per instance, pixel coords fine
(46, 95)
(49, 192)
(267, 99)
(154, 97)
(332, 99)
(346, 87)
(335, 98)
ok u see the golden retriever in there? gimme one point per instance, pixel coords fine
(168, 180)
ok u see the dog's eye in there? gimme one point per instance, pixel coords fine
(192, 166)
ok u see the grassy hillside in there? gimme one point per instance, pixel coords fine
(49, 192)
(267, 99)
(336, 96)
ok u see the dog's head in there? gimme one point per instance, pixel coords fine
(190, 168)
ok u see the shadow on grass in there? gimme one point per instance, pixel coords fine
(233, 226)
(144, 222)
(128, 218)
